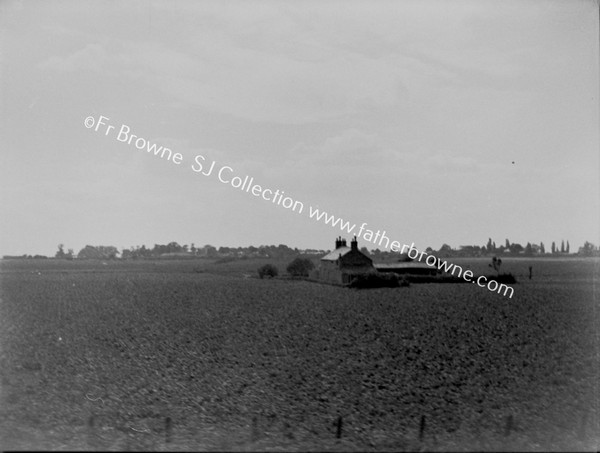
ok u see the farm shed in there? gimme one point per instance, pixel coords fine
(403, 268)
(340, 265)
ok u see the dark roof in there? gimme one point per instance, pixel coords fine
(332, 256)
(402, 265)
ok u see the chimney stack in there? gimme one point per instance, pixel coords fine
(354, 244)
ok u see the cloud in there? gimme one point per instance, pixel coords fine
(349, 148)
(91, 57)
(242, 82)
(449, 162)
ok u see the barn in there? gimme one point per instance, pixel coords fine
(343, 263)
(410, 267)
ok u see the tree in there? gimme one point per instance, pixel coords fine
(553, 248)
(268, 270)
(489, 245)
(542, 249)
(88, 252)
(562, 246)
(209, 251)
(174, 247)
(158, 250)
(516, 248)
(496, 263)
(588, 249)
(528, 249)
(300, 267)
(445, 249)
(143, 252)
(568, 247)
(109, 252)
(507, 244)
(100, 252)
(61, 252)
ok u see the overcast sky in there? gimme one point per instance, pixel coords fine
(436, 121)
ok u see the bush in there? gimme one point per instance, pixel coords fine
(502, 278)
(268, 270)
(300, 267)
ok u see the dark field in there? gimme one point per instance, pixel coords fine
(193, 355)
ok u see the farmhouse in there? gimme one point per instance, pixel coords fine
(343, 263)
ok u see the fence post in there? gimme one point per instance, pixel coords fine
(583, 427)
(168, 429)
(254, 429)
(91, 431)
(422, 428)
(338, 433)
(509, 425)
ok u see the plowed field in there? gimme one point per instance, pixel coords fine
(182, 356)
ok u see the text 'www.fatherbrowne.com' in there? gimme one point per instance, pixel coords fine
(380, 239)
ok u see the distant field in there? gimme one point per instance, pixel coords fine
(201, 355)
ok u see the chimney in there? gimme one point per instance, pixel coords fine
(354, 244)
(344, 243)
(338, 242)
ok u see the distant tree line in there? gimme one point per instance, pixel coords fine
(513, 249)
(281, 251)
(174, 250)
(491, 249)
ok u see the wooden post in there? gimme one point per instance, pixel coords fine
(91, 431)
(509, 425)
(422, 428)
(287, 430)
(583, 428)
(168, 429)
(254, 429)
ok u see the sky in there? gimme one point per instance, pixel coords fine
(434, 121)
